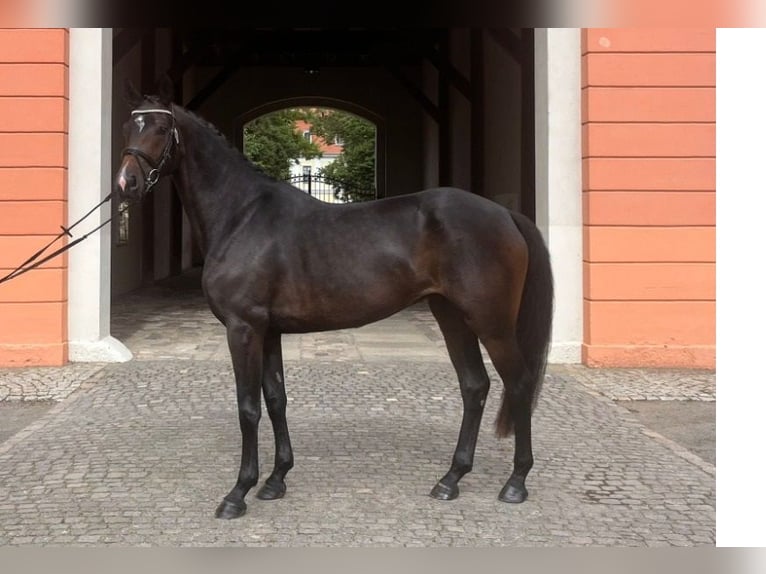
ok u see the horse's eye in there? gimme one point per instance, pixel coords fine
(162, 130)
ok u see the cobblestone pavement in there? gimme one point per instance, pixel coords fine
(140, 453)
(44, 383)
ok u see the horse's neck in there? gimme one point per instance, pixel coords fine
(211, 183)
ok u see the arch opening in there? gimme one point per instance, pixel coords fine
(326, 152)
(366, 181)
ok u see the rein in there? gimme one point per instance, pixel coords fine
(33, 261)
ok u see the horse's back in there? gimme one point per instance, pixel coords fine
(450, 242)
(412, 239)
(434, 209)
(444, 220)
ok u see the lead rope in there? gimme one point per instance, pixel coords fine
(32, 262)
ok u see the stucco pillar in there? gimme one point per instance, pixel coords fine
(90, 144)
(558, 172)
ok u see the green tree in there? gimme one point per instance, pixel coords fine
(272, 143)
(354, 170)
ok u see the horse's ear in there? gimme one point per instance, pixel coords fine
(132, 96)
(166, 90)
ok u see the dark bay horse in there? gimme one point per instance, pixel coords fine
(279, 261)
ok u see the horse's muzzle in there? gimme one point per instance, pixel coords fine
(127, 185)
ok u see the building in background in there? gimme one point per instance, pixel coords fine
(306, 173)
(605, 136)
(313, 166)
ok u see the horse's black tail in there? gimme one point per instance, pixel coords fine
(533, 326)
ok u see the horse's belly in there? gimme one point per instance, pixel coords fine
(324, 310)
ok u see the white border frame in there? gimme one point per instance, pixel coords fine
(740, 309)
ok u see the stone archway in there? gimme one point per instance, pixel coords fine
(404, 138)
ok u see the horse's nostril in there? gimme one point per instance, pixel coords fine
(132, 182)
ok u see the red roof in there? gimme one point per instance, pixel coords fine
(332, 149)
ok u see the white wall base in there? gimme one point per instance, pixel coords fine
(563, 352)
(107, 350)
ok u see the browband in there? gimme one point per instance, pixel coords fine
(151, 111)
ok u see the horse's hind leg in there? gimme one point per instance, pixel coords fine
(517, 400)
(276, 404)
(463, 347)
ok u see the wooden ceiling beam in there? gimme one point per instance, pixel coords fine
(415, 91)
(509, 40)
(455, 77)
(125, 40)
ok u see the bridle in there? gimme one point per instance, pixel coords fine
(157, 167)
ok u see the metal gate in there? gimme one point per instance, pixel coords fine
(331, 190)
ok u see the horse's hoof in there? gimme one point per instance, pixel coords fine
(272, 490)
(228, 509)
(443, 492)
(513, 492)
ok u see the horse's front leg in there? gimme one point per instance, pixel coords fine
(246, 348)
(276, 404)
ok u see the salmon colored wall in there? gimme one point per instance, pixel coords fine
(648, 112)
(33, 161)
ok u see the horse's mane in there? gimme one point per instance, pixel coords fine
(202, 122)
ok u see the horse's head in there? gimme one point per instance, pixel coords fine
(152, 143)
